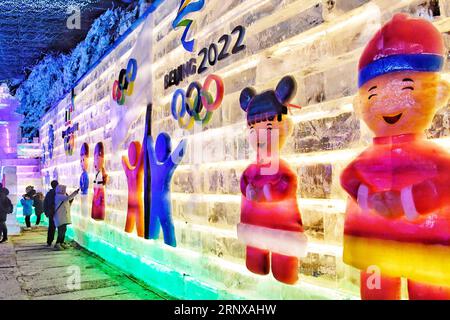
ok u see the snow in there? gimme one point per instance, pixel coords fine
(55, 74)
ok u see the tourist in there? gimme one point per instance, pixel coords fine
(30, 190)
(5, 208)
(62, 214)
(2, 188)
(49, 211)
(27, 204)
(38, 204)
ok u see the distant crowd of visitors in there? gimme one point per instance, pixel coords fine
(31, 199)
(55, 205)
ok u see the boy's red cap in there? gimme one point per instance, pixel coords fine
(402, 44)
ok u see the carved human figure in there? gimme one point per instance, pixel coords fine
(397, 222)
(162, 165)
(271, 225)
(100, 181)
(134, 170)
(84, 162)
(84, 180)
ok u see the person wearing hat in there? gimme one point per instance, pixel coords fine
(3, 189)
(38, 204)
(27, 205)
(398, 216)
(271, 225)
(62, 216)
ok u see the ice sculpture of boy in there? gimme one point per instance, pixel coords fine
(397, 222)
(84, 179)
(84, 162)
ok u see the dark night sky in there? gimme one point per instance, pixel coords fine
(31, 28)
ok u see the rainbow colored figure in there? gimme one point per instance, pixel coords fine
(271, 225)
(187, 7)
(398, 215)
(101, 178)
(163, 163)
(134, 169)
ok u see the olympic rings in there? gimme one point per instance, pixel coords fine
(69, 139)
(124, 86)
(193, 106)
(69, 144)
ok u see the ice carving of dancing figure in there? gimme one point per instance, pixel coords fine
(134, 170)
(162, 166)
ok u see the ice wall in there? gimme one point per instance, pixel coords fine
(317, 42)
(9, 124)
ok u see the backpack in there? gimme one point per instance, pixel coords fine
(6, 206)
(49, 203)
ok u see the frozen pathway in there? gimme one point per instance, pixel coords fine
(30, 270)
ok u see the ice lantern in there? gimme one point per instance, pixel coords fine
(271, 226)
(398, 216)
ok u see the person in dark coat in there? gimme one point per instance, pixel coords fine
(49, 211)
(4, 189)
(38, 204)
(6, 207)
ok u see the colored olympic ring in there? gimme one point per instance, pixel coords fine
(193, 107)
(211, 106)
(124, 86)
(132, 70)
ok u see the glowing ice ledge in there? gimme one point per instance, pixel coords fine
(185, 274)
